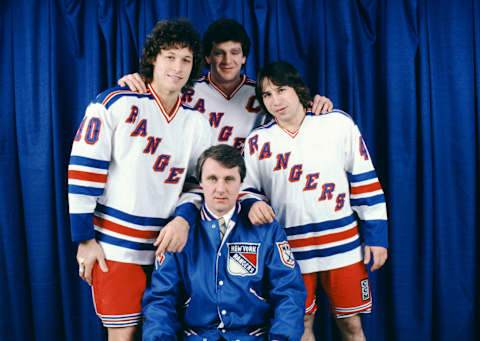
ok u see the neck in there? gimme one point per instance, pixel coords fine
(167, 97)
(227, 86)
(295, 123)
(217, 213)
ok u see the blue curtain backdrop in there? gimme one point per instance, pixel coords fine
(407, 70)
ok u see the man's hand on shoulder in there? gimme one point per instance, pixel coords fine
(134, 81)
(321, 105)
(261, 213)
(379, 254)
(173, 236)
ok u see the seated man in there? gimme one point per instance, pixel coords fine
(233, 280)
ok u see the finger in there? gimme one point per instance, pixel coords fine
(88, 273)
(366, 257)
(267, 214)
(162, 248)
(315, 108)
(160, 237)
(81, 270)
(121, 82)
(140, 81)
(325, 108)
(103, 264)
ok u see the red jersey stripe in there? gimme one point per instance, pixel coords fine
(366, 188)
(111, 226)
(87, 176)
(329, 238)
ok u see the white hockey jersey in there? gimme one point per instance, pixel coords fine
(315, 178)
(128, 164)
(232, 117)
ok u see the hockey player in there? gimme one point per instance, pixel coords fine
(129, 160)
(316, 173)
(232, 281)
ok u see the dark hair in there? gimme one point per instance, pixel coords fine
(223, 30)
(228, 156)
(282, 74)
(167, 34)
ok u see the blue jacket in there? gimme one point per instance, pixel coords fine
(247, 288)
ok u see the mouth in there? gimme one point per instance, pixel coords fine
(175, 77)
(280, 111)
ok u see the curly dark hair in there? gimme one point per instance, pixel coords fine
(281, 73)
(223, 30)
(167, 34)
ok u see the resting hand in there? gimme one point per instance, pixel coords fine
(321, 105)
(379, 255)
(261, 213)
(89, 252)
(172, 237)
(134, 81)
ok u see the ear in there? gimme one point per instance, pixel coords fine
(207, 60)
(244, 60)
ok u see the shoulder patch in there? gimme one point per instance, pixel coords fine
(286, 254)
(243, 258)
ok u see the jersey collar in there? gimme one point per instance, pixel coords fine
(223, 93)
(168, 116)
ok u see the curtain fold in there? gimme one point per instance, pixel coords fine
(406, 70)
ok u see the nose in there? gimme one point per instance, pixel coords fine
(220, 188)
(177, 65)
(227, 58)
(275, 99)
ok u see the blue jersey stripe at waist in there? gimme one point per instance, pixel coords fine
(318, 227)
(130, 218)
(124, 243)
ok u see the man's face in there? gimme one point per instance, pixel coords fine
(220, 186)
(281, 101)
(171, 69)
(226, 60)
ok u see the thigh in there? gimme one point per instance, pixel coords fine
(117, 294)
(347, 289)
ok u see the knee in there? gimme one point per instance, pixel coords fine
(351, 325)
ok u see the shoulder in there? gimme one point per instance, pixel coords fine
(112, 95)
(194, 116)
(264, 129)
(250, 82)
(335, 117)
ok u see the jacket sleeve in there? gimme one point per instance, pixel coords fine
(161, 300)
(88, 169)
(287, 293)
(191, 198)
(366, 194)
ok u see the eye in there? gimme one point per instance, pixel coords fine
(265, 95)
